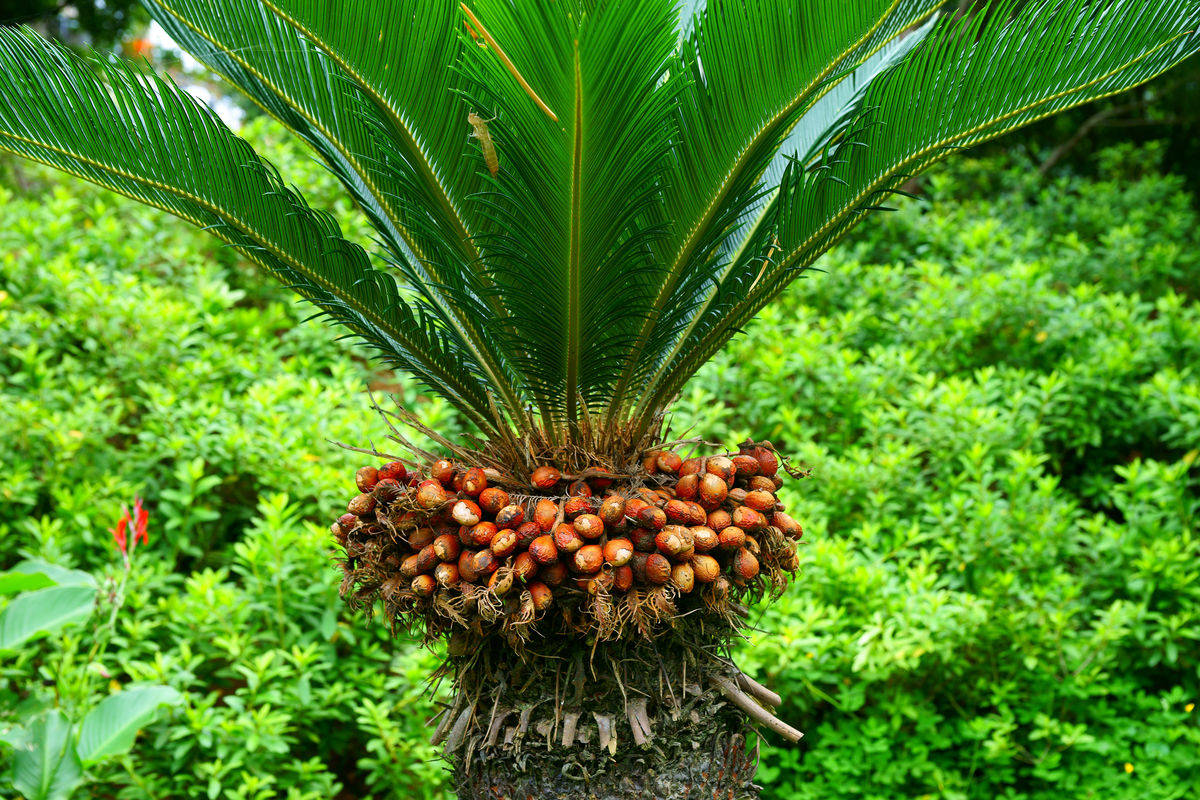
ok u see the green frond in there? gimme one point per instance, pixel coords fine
(139, 135)
(756, 68)
(970, 80)
(575, 203)
(582, 200)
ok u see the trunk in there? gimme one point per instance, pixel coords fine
(630, 722)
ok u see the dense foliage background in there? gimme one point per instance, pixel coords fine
(995, 389)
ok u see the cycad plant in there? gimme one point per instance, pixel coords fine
(577, 203)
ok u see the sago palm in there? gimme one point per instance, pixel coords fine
(577, 203)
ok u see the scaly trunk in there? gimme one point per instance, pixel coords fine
(623, 721)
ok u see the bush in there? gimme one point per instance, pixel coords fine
(995, 391)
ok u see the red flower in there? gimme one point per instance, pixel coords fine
(119, 531)
(138, 522)
(140, 517)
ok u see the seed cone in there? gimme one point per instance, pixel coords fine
(650, 565)
(688, 521)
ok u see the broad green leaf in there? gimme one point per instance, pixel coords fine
(44, 611)
(16, 582)
(61, 576)
(109, 728)
(45, 765)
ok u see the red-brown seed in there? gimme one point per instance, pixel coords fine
(578, 505)
(643, 539)
(446, 574)
(361, 505)
(466, 512)
(474, 482)
(688, 487)
(638, 565)
(484, 562)
(612, 510)
(504, 543)
(683, 578)
(618, 552)
(761, 483)
(442, 471)
(677, 511)
(671, 542)
(597, 482)
(526, 533)
(753, 546)
(511, 516)
(543, 550)
(696, 513)
(721, 587)
(622, 578)
(706, 568)
(524, 567)
(748, 519)
(544, 514)
(481, 535)
(745, 465)
(457, 485)
(580, 489)
(501, 582)
(567, 539)
(394, 470)
(348, 522)
(545, 477)
(658, 569)
(723, 468)
(447, 547)
(366, 478)
(466, 566)
(718, 520)
(491, 500)
(650, 461)
(760, 501)
(768, 462)
(543, 598)
(431, 495)
(789, 526)
(704, 538)
(553, 574)
(669, 462)
(737, 496)
(745, 565)
(713, 489)
(421, 537)
(634, 507)
(409, 567)
(589, 559)
(691, 466)
(427, 559)
(732, 538)
(652, 518)
(424, 585)
(589, 526)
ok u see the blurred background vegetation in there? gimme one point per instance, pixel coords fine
(995, 388)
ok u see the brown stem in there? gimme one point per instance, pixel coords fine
(758, 691)
(754, 710)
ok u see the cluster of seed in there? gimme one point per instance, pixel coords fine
(451, 546)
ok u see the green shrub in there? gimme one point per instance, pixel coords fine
(995, 391)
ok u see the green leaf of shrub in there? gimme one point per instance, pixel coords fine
(44, 611)
(110, 727)
(47, 767)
